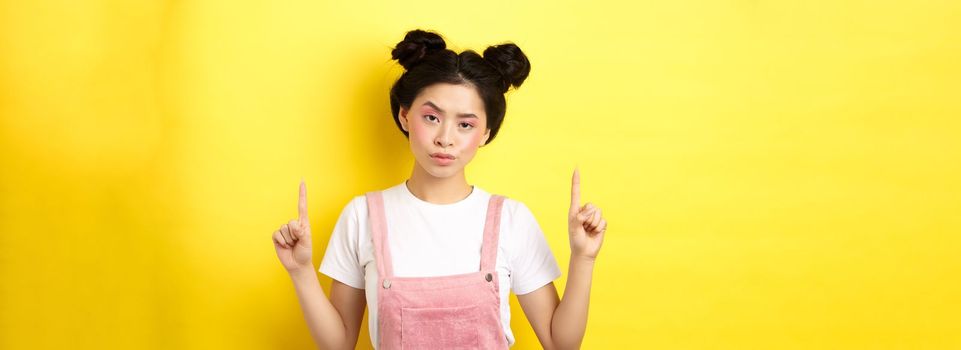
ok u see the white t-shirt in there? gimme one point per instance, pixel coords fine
(428, 239)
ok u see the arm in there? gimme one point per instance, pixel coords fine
(562, 324)
(333, 323)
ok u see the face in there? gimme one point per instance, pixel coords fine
(446, 125)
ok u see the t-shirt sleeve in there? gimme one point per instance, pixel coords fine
(341, 261)
(532, 262)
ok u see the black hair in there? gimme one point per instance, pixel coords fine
(427, 61)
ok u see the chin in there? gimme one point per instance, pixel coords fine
(441, 171)
(444, 172)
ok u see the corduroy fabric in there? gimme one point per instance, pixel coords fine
(443, 312)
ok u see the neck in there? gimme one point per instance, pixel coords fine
(438, 190)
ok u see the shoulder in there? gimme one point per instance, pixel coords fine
(515, 213)
(356, 205)
(355, 210)
(514, 206)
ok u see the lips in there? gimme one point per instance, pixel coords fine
(442, 158)
(442, 155)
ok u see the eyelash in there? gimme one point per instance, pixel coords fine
(469, 125)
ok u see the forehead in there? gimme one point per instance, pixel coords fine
(452, 99)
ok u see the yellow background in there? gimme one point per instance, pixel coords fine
(777, 175)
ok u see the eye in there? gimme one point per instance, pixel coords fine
(428, 117)
(467, 125)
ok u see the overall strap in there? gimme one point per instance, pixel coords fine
(491, 233)
(378, 228)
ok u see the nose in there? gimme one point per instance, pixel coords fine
(443, 138)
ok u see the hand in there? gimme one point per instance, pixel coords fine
(585, 224)
(292, 240)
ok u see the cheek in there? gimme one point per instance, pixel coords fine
(475, 140)
(418, 132)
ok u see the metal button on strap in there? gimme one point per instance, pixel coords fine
(386, 284)
(488, 277)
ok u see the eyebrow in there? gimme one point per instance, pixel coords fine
(462, 115)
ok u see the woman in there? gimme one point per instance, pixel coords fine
(435, 257)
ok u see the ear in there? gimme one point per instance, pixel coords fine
(487, 135)
(402, 117)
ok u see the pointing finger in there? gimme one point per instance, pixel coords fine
(575, 192)
(302, 203)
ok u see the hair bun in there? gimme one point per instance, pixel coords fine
(416, 45)
(511, 62)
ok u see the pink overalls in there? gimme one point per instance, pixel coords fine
(446, 312)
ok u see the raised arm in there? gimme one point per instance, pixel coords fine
(561, 324)
(335, 322)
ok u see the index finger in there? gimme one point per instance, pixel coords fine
(302, 203)
(575, 192)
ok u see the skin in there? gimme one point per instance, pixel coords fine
(445, 118)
